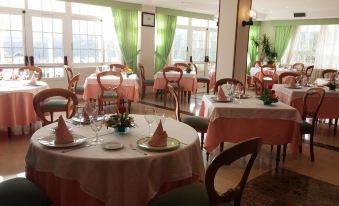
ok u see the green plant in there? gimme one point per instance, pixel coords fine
(266, 51)
(268, 96)
(121, 119)
(188, 69)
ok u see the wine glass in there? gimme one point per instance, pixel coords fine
(149, 117)
(90, 109)
(80, 113)
(96, 125)
(160, 117)
(238, 91)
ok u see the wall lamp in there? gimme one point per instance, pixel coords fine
(252, 14)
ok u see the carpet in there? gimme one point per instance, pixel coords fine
(288, 188)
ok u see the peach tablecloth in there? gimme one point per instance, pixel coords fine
(188, 81)
(129, 88)
(277, 124)
(293, 97)
(16, 103)
(114, 177)
(212, 80)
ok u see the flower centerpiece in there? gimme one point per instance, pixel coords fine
(127, 71)
(121, 121)
(268, 97)
(188, 69)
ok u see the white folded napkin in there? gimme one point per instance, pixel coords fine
(33, 80)
(221, 95)
(159, 138)
(62, 134)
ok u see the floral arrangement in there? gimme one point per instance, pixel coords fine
(127, 70)
(188, 69)
(268, 96)
(121, 119)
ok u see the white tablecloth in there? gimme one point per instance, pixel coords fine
(121, 177)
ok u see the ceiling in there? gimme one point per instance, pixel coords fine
(266, 9)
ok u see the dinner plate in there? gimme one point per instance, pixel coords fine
(215, 99)
(53, 129)
(172, 144)
(49, 141)
(112, 145)
(34, 85)
(245, 96)
(294, 87)
(82, 120)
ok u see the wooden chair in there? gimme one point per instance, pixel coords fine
(54, 100)
(227, 81)
(327, 72)
(109, 93)
(299, 67)
(311, 111)
(286, 74)
(174, 82)
(258, 85)
(144, 82)
(33, 69)
(79, 89)
(181, 65)
(72, 84)
(204, 80)
(200, 124)
(21, 191)
(268, 72)
(116, 67)
(199, 194)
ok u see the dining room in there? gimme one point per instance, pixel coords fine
(137, 102)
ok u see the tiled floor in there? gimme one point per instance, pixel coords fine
(325, 167)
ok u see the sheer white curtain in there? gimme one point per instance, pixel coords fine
(327, 51)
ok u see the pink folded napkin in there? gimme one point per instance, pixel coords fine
(159, 138)
(221, 95)
(33, 80)
(62, 134)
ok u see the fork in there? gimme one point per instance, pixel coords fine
(137, 150)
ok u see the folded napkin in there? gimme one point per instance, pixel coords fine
(159, 138)
(221, 95)
(33, 80)
(14, 76)
(62, 134)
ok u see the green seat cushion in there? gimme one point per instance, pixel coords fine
(20, 191)
(306, 127)
(79, 89)
(174, 85)
(195, 122)
(149, 81)
(189, 195)
(110, 94)
(55, 103)
(204, 79)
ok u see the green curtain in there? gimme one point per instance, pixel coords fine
(253, 44)
(166, 25)
(126, 27)
(283, 35)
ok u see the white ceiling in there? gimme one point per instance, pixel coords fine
(266, 9)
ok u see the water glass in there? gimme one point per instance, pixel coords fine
(149, 117)
(96, 124)
(80, 114)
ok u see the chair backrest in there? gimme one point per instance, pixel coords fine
(69, 73)
(195, 68)
(175, 80)
(312, 101)
(72, 84)
(181, 65)
(105, 87)
(47, 94)
(142, 71)
(268, 70)
(225, 81)
(299, 67)
(34, 69)
(259, 63)
(327, 72)
(286, 74)
(258, 85)
(176, 102)
(249, 147)
(116, 67)
(309, 71)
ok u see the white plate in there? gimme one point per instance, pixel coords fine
(171, 144)
(297, 87)
(53, 129)
(77, 120)
(49, 141)
(215, 99)
(112, 145)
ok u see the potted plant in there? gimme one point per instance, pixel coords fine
(188, 69)
(268, 96)
(267, 53)
(121, 122)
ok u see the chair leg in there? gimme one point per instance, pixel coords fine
(284, 152)
(207, 156)
(221, 147)
(311, 146)
(208, 88)
(51, 114)
(277, 158)
(271, 147)
(129, 106)
(143, 91)
(189, 96)
(335, 126)
(165, 97)
(202, 141)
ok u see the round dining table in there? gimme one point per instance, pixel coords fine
(92, 175)
(16, 103)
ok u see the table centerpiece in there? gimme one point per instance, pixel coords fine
(122, 121)
(268, 96)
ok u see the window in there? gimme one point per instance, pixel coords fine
(11, 39)
(87, 9)
(179, 50)
(47, 5)
(13, 3)
(47, 40)
(87, 41)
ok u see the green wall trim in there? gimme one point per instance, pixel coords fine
(297, 22)
(109, 3)
(175, 12)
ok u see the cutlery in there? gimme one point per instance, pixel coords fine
(76, 148)
(137, 150)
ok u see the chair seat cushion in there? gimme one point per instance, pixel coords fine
(79, 89)
(196, 122)
(203, 79)
(55, 103)
(306, 127)
(110, 94)
(20, 191)
(189, 195)
(149, 82)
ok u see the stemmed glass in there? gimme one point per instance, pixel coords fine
(90, 109)
(96, 124)
(238, 91)
(160, 117)
(80, 113)
(149, 117)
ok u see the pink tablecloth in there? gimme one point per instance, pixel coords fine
(16, 103)
(188, 81)
(129, 88)
(277, 124)
(293, 97)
